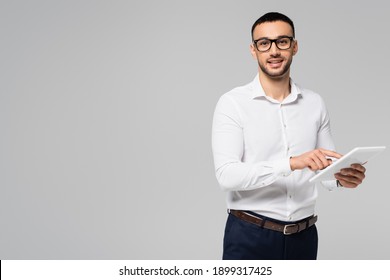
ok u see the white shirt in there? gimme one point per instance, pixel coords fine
(253, 138)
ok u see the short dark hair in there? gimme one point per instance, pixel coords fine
(271, 17)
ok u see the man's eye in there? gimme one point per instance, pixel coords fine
(263, 43)
(283, 42)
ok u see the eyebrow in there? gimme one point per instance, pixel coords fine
(279, 37)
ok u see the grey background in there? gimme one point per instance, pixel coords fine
(105, 120)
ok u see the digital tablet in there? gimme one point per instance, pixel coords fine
(358, 155)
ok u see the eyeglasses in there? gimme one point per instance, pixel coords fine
(264, 44)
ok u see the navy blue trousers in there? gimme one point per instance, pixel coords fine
(246, 241)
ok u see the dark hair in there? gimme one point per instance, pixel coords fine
(271, 17)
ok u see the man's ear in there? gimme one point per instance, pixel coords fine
(295, 48)
(253, 51)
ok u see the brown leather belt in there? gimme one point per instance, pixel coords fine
(287, 229)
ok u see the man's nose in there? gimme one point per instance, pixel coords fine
(274, 50)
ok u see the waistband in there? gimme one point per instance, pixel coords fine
(285, 228)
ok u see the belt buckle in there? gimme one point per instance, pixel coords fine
(286, 227)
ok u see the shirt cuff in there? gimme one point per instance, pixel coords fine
(282, 167)
(331, 185)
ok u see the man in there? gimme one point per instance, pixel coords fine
(268, 138)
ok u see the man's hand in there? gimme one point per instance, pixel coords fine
(351, 177)
(315, 160)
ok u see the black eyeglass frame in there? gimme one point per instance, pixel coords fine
(274, 41)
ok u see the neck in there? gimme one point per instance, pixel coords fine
(276, 88)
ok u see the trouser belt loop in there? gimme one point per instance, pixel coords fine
(262, 222)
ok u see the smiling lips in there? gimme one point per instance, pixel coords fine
(275, 63)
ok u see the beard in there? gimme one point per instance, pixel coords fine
(276, 73)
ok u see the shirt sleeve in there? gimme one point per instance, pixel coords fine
(325, 141)
(228, 149)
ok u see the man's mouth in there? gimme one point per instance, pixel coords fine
(275, 63)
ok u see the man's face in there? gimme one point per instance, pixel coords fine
(274, 63)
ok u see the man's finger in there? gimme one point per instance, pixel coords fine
(313, 164)
(331, 153)
(358, 167)
(351, 172)
(349, 178)
(346, 184)
(320, 160)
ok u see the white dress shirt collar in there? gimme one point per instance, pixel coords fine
(258, 92)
